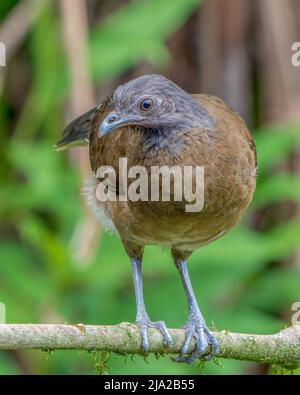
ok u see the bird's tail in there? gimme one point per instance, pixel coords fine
(77, 132)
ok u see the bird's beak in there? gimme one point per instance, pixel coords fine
(112, 122)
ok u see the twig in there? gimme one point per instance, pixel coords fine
(281, 349)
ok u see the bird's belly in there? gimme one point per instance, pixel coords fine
(186, 238)
(186, 231)
(190, 242)
(158, 223)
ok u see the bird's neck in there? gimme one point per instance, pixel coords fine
(161, 139)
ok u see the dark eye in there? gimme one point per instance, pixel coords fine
(146, 104)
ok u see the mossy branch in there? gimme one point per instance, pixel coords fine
(281, 349)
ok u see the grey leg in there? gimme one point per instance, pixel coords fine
(142, 318)
(195, 325)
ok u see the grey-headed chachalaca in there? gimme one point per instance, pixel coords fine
(152, 122)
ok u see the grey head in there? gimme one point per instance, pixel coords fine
(156, 106)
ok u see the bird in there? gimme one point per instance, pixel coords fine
(151, 121)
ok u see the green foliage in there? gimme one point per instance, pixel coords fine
(136, 32)
(241, 280)
(6, 6)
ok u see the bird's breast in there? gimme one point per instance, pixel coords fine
(227, 157)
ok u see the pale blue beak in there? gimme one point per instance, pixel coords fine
(112, 122)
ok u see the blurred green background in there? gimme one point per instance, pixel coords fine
(55, 264)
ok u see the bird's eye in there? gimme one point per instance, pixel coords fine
(146, 104)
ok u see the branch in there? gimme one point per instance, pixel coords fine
(282, 348)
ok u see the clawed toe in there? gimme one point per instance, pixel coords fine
(161, 326)
(213, 343)
(144, 324)
(206, 344)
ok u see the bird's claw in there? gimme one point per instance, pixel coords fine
(206, 346)
(144, 324)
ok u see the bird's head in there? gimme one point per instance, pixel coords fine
(154, 103)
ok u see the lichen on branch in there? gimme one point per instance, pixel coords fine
(282, 348)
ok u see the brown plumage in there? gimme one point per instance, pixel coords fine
(182, 130)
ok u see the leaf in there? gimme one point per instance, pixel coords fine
(136, 32)
(274, 144)
(277, 188)
(279, 289)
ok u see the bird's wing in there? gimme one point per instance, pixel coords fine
(77, 132)
(216, 107)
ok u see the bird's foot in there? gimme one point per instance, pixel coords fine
(206, 344)
(144, 324)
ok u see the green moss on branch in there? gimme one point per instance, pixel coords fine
(281, 349)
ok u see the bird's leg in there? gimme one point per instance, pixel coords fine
(195, 325)
(142, 318)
